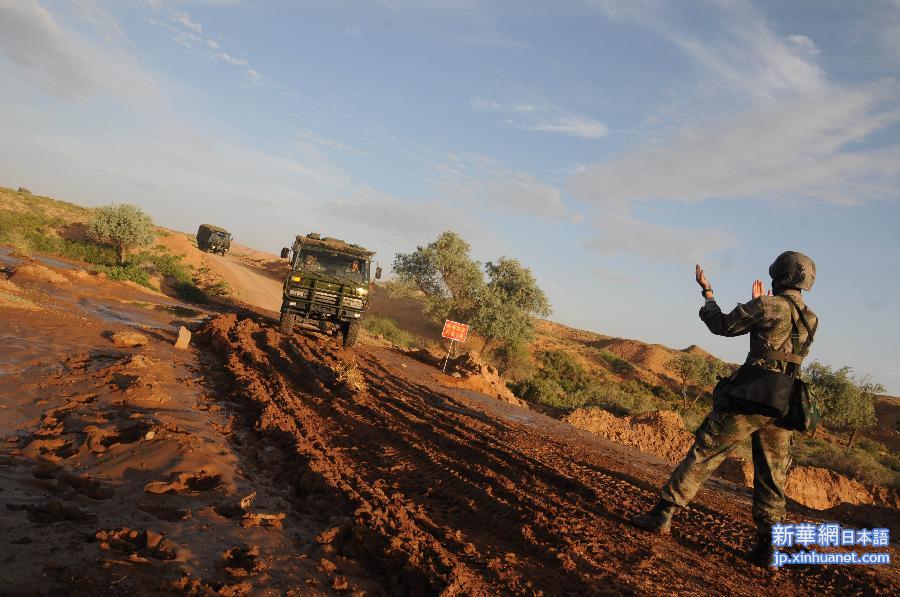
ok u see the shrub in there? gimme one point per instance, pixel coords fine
(126, 272)
(390, 331)
(121, 227)
(854, 462)
(615, 362)
(562, 382)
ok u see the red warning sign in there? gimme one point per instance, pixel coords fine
(455, 331)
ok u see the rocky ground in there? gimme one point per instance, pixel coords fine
(255, 463)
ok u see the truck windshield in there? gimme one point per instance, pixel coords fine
(334, 264)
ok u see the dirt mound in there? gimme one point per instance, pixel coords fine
(11, 297)
(660, 433)
(36, 271)
(695, 350)
(470, 372)
(478, 376)
(652, 357)
(820, 488)
(558, 330)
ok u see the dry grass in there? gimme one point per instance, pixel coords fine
(350, 376)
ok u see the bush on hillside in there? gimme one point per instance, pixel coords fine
(864, 464)
(388, 329)
(562, 382)
(122, 227)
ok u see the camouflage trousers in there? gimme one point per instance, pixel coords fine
(716, 437)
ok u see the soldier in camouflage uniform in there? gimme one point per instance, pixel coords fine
(768, 321)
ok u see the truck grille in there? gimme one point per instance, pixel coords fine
(328, 298)
(353, 303)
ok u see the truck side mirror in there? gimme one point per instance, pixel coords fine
(285, 252)
(378, 273)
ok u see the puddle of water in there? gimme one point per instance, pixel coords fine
(176, 310)
(7, 258)
(140, 313)
(57, 263)
(180, 311)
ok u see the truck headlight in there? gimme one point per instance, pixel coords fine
(296, 278)
(362, 291)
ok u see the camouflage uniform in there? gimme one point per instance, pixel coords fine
(768, 321)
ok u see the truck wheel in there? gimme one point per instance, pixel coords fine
(351, 334)
(286, 325)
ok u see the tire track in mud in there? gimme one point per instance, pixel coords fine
(441, 497)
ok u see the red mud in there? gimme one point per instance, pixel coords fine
(254, 463)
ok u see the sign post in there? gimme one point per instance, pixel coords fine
(455, 332)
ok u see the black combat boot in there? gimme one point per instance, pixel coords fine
(659, 519)
(760, 553)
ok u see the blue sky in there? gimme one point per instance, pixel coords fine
(607, 144)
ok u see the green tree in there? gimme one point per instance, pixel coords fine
(694, 371)
(446, 274)
(508, 303)
(123, 227)
(848, 404)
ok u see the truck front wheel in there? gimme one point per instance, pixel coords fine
(286, 325)
(351, 334)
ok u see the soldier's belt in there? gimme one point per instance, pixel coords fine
(776, 355)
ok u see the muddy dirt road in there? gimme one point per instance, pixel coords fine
(422, 489)
(252, 285)
(254, 463)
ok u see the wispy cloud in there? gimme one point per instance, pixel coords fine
(802, 148)
(778, 129)
(484, 182)
(537, 114)
(191, 34)
(621, 232)
(64, 63)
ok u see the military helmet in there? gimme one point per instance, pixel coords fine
(793, 270)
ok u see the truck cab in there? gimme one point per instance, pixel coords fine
(328, 284)
(213, 239)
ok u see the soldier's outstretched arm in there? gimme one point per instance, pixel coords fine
(739, 321)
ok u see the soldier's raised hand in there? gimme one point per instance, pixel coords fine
(759, 289)
(701, 278)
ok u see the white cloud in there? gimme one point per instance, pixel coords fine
(745, 53)
(184, 19)
(484, 182)
(805, 44)
(770, 126)
(190, 34)
(538, 114)
(226, 57)
(65, 64)
(623, 233)
(577, 126)
(794, 149)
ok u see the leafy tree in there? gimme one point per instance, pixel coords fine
(445, 273)
(848, 404)
(123, 227)
(507, 304)
(693, 370)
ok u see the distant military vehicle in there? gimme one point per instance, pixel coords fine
(213, 239)
(328, 283)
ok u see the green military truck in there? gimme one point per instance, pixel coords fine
(213, 239)
(328, 283)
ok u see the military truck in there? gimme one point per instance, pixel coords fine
(328, 284)
(213, 239)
